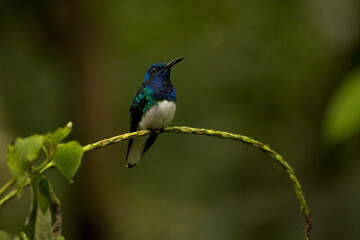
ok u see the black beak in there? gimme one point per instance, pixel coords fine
(173, 62)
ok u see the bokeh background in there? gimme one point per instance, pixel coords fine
(283, 72)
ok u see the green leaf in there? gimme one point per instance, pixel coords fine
(60, 134)
(52, 140)
(8, 236)
(342, 118)
(68, 158)
(21, 155)
(23, 236)
(44, 220)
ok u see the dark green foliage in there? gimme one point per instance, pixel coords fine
(44, 220)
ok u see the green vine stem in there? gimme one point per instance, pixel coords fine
(7, 186)
(198, 131)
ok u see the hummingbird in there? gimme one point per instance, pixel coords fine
(153, 108)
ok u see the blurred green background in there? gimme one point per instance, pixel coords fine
(283, 72)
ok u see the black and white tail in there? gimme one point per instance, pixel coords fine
(135, 151)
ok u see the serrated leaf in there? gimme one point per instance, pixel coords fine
(44, 220)
(21, 155)
(68, 159)
(342, 118)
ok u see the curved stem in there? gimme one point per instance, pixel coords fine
(12, 181)
(9, 196)
(7, 186)
(198, 131)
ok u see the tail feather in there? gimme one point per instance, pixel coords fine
(135, 151)
(150, 141)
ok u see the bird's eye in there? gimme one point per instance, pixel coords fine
(153, 70)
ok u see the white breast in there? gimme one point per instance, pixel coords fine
(158, 116)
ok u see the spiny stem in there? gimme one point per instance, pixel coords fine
(199, 131)
(265, 148)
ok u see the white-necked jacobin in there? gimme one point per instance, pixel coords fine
(153, 108)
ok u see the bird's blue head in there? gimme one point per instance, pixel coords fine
(161, 70)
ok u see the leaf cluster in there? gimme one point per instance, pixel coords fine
(44, 219)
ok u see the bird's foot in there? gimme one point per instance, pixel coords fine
(157, 131)
(160, 130)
